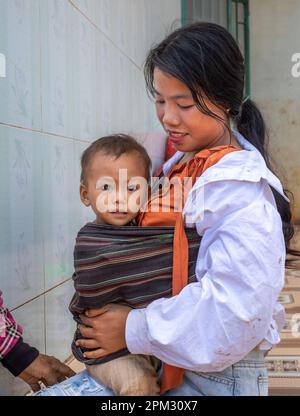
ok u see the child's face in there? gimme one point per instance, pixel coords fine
(115, 188)
(189, 129)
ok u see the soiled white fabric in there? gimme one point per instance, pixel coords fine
(233, 307)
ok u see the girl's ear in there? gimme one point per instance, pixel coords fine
(84, 195)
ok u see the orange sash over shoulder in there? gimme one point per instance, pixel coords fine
(173, 376)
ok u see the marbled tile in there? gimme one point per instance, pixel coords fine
(105, 85)
(57, 63)
(99, 87)
(83, 214)
(122, 96)
(87, 7)
(169, 13)
(60, 207)
(122, 12)
(140, 105)
(32, 318)
(115, 18)
(105, 16)
(20, 102)
(155, 29)
(84, 73)
(60, 325)
(139, 49)
(21, 243)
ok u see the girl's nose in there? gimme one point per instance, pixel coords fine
(170, 118)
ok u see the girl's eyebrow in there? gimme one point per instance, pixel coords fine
(175, 97)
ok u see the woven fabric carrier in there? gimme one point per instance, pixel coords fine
(128, 265)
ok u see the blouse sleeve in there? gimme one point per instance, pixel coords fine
(217, 320)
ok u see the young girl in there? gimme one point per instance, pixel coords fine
(218, 329)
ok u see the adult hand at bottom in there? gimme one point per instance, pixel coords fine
(47, 369)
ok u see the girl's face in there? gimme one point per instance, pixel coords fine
(188, 128)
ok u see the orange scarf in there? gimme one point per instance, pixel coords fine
(173, 376)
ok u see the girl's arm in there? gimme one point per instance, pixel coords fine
(215, 322)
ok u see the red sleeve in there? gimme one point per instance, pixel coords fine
(10, 331)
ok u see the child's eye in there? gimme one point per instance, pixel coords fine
(105, 187)
(159, 102)
(132, 188)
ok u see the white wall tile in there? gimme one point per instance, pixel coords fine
(139, 17)
(105, 15)
(60, 325)
(58, 62)
(31, 317)
(21, 243)
(59, 210)
(87, 7)
(20, 102)
(108, 85)
(82, 214)
(84, 72)
(103, 97)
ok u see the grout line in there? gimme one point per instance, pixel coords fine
(43, 132)
(41, 69)
(45, 332)
(105, 35)
(43, 175)
(41, 294)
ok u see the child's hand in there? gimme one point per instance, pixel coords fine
(105, 328)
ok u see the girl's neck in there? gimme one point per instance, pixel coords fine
(189, 155)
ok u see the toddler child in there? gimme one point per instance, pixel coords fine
(108, 193)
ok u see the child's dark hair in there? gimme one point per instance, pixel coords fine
(206, 58)
(115, 145)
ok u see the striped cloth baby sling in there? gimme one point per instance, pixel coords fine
(128, 265)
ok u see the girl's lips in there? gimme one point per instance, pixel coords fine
(176, 138)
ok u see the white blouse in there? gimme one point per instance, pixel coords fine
(232, 308)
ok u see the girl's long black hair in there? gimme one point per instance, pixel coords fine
(206, 58)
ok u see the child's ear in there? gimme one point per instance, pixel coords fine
(84, 195)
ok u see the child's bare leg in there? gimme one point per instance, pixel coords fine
(131, 375)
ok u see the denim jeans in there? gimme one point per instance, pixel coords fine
(247, 377)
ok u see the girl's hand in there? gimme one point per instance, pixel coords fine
(105, 328)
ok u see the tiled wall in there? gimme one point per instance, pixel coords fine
(74, 73)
